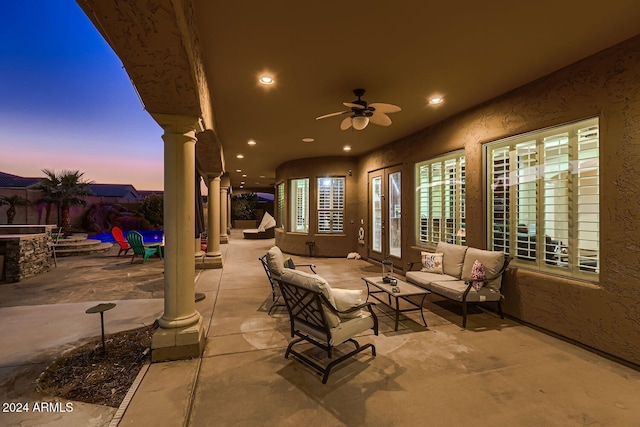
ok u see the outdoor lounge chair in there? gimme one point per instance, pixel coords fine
(116, 232)
(274, 264)
(266, 229)
(315, 319)
(140, 249)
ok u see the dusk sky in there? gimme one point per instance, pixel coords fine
(66, 102)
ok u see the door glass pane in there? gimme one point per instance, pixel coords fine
(376, 214)
(395, 236)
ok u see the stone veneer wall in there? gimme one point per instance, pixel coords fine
(27, 256)
(26, 250)
(602, 315)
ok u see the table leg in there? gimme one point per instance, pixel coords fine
(421, 310)
(397, 312)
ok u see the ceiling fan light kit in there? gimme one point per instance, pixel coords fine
(359, 122)
(362, 113)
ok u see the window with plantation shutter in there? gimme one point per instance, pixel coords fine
(331, 205)
(440, 200)
(299, 205)
(544, 198)
(280, 200)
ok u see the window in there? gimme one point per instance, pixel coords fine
(280, 200)
(544, 199)
(440, 200)
(299, 205)
(330, 205)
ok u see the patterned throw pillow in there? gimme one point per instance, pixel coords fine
(477, 272)
(432, 263)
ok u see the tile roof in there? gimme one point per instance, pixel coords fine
(14, 181)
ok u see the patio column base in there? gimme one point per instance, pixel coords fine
(178, 343)
(211, 261)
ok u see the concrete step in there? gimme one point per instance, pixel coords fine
(75, 237)
(76, 244)
(83, 250)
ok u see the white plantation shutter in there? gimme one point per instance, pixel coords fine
(280, 200)
(440, 200)
(299, 209)
(331, 205)
(544, 201)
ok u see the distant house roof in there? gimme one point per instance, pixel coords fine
(121, 191)
(146, 193)
(14, 181)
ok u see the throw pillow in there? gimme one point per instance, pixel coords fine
(478, 274)
(346, 299)
(288, 263)
(432, 263)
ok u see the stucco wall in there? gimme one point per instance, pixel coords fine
(326, 245)
(605, 315)
(601, 315)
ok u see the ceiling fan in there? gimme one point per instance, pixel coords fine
(362, 113)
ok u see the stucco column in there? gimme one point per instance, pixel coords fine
(214, 256)
(224, 196)
(181, 332)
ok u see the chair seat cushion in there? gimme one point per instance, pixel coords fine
(345, 330)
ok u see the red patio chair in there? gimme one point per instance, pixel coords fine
(119, 237)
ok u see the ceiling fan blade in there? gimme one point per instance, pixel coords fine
(332, 114)
(380, 119)
(385, 108)
(352, 105)
(346, 123)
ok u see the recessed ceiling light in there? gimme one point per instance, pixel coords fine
(262, 176)
(308, 139)
(266, 79)
(347, 148)
(240, 156)
(238, 170)
(244, 175)
(251, 142)
(436, 100)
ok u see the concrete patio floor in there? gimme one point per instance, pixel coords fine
(496, 372)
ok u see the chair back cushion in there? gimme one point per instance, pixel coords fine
(452, 258)
(275, 260)
(314, 283)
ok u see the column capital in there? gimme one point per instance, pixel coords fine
(178, 124)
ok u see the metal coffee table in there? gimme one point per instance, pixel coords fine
(406, 290)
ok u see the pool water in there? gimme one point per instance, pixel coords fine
(149, 236)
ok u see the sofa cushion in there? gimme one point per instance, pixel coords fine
(424, 279)
(431, 262)
(315, 283)
(275, 260)
(492, 261)
(453, 257)
(478, 275)
(455, 289)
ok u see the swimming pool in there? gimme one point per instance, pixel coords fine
(149, 236)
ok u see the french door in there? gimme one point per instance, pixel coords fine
(385, 214)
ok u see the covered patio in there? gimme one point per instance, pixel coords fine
(495, 372)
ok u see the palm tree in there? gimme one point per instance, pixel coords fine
(49, 188)
(13, 201)
(66, 189)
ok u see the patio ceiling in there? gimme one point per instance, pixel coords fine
(203, 58)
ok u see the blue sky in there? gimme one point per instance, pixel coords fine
(66, 102)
